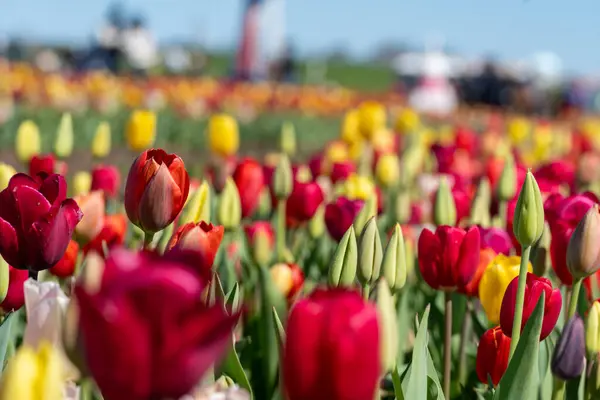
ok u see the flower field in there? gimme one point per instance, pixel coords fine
(191, 239)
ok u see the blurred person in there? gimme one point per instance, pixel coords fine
(284, 69)
(109, 39)
(139, 47)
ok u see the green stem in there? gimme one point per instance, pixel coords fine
(558, 389)
(148, 240)
(447, 343)
(280, 233)
(464, 339)
(574, 298)
(518, 318)
(365, 291)
(86, 389)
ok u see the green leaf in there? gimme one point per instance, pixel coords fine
(232, 367)
(6, 335)
(416, 386)
(397, 380)
(403, 325)
(233, 299)
(279, 330)
(545, 357)
(521, 378)
(433, 376)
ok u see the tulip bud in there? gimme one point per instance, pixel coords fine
(388, 326)
(198, 206)
(92, 272)
(6, 172)
(568, 359)
(402, 208)
(444, 208)
(342, 270)
(506, 184)
(592, 329)
(316, 225)
(229, 209)
(387, 170)
(4, 279)
(480, 208)
(28, 141)
(261, 241)
(393, 265)
(528, 222)
(283, 181)
(264, 203)
(140, 131)
(288, 139)
(583, 252)
(72, 340)
(541, 259)
(101, 142)
(370, 253)
(368, 210)
(223, 135)
(82, 182)
(63, 146)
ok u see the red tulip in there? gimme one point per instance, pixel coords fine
(486, 256)
(66, 266)
(340, 215)
(492, 355)
(316, 165)
(466, 140)
(463, 203)
(249, 179)
(107, 179)
(444, 156)
(496, 239)
(260, 227)
(304, 201)
(327, 333)
(15, 297)
(36, 221)
(156, 190)
(288, 277)
(201, 237)
(46, 164)
(449, 257)
(112, 233)
(341, 171)
(535, 286)
(555, 174)
(149, 319)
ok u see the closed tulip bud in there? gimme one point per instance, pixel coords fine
(492, 355)
(223, 135)
(92, 272)
(368, 210)
(583, 252)
(249, 179)
(568, 360)
(371, 118)
(303, 202)
(288, 278)
(102, 140)
(340, 215)
(480, 207)
(370, 253)
(393, 265)
(528, 222)
(6, 172)
(283, 181)
(402, 208)
(444, 208)
(592, 329)
(202, 238)
(349, 131)
(265, 203)
(198, 206)
(229, 209)
(82, 183)
(506, 184)
(106, 178)
(387, 170)
(260, 237)
(316, 225)
(93, 207)
(541, 259)
(342, 270)
(288, 139)
(27, 142)
(140, 131)
(4, 279)
(388, 326)
(63, 146)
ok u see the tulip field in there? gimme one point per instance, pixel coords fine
(193, 239)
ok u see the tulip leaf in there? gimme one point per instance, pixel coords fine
(403, 316)
(521, 378)
(432, 375)
(6, 335)
(279, 330)
(233, 299)
(545, 357)
(416, 380)
(232, 367)
(397, 380)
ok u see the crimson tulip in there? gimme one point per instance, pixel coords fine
(46, 164)
(496, 239)
(112, 234)
(66, 266)
(492, 355)
(316, 165)
(533, 290)
(156, 190)
(36, 221)
(249, 179)
(340, 215)
(462, 200)
(554, 174)
(106, 178)
(332, 348)
(148, 318)
(448, 258)
(304, 201)
(15, 296)
(202, 237)
(340, 171)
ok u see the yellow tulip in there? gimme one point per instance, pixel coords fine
(28, 141)
(288, 139)
(356, 149)
(350, 132)
(496, 277)
(335, 152)
(82, 182)
(141, 130)
(6, 172)
(102, 140)
(518, 130)
(387, 169)
(63, 146)
(383, 140)
(371, 118)
(407, 121)
(223, 135)
(358, 187)
(33, 375)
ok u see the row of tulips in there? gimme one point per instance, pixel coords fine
(285, 279)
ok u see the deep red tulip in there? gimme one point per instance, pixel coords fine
(316, 165)
(249, 179)
(260, 227)
(535, 286)
(205, 238)
(463, 203)
(106, 178)
(554, 174)
(46, 164)
(304, 201)
(15, 297)
(66, 266)
(112, 233)
(36, 221)
(496, 239)
(340, 171)
(156, 190)
(492, 355)
(449, 257)
(327, 333)
(340, 215)
(148, 317)
(466, 140)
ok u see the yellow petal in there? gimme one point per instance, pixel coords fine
(27, 141)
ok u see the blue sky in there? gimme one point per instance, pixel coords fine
(506, 28)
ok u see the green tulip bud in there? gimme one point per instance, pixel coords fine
(229, 210)
(541, 259)
(370, 253)
(393, 265)
(506, 185)
(444, 208)
(592, 329)
(264, 203)
(198, 206)
(288, 139)
(388, 326)
(368, 210)
(283, 179)
(316, 225)
(402, 206)
(480, 208)
(528, 223)
(63, 146)
(4, 279)
(342, 270)
(583, 252)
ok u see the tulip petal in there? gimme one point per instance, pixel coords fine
(54, 188)
(9, 243)
(159, 200)
(429, 252)
(468, 259)
(21, 179)
(31, 205)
